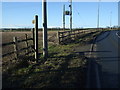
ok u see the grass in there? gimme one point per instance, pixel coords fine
(63, 68)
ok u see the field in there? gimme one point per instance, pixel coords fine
(63, 68)
(8, 37)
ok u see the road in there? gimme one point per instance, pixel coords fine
(107, 55)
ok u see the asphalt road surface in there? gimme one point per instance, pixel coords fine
(107, 54)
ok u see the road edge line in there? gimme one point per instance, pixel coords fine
(89, 67)
(97, 70)
(117, 35)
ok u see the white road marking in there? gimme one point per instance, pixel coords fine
(98, 84)
(118, 34)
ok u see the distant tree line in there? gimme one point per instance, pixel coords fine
(54, 29)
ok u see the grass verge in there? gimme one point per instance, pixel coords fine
(63, 68)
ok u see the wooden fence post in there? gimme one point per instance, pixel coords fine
(26, 42)
(58, 36)
(33, 36)
(83, 31)
(33, 32)
(74, 34)
(15, 47)
(78, 33)
(36, 38)
(69, 36)
(62, 39)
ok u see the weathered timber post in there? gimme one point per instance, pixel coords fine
(78, 33)
(58, 37)
(15, 47)
(62, 39)
(69, 36)
(33, 36)
(45, 36)
(36, 38)
(26, 42)
(74, 34)
(83, 31)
